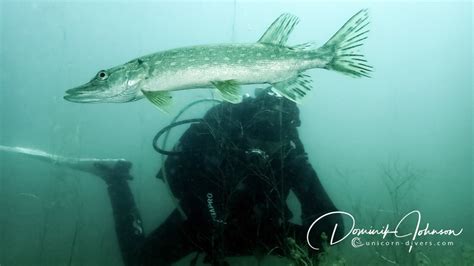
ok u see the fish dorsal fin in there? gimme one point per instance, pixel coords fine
(280, 29)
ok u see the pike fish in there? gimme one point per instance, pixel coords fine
(227, 66)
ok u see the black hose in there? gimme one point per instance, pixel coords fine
(168, 127)
(174, 124)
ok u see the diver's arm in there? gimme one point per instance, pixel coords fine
(313, 198)
(128, 224)
(309, 190)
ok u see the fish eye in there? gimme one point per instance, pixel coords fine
(102, 75)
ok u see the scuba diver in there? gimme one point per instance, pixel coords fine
(231, 173)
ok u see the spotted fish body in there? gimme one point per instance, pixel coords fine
(197, 67)
(227, 66)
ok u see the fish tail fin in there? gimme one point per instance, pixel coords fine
(343, 47)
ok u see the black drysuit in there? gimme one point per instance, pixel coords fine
(231, 188)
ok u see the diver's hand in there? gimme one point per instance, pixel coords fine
(114, 173)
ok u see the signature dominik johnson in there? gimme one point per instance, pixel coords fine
(384, 230)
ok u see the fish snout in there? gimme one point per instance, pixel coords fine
(86, 88)
(81, 94)
(79, 98)
(72, 91)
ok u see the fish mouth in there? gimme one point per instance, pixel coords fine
(83, 94)
(80, 99)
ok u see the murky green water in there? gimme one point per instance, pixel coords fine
(382, 147)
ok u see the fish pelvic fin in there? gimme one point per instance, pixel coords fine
(295, 88)
(161, 99)
(279, 30)
(343, 47)
(229, 90)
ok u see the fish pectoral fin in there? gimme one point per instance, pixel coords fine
(229, 90)
(161, 99)
(294, 88)
(280, 29)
